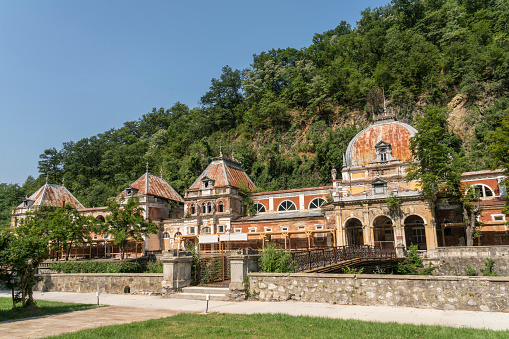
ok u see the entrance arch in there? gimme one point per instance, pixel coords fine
(415, 232)
(383, 232)
(353, 229)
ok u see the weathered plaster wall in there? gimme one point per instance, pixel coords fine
(449, 293)
(454, 260)
(137, 283)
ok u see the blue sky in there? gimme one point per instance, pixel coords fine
(73, 69)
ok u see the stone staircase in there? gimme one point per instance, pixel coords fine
(200, 293)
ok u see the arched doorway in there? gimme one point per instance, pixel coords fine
(353, 229)
(415, 232)
(383, 232)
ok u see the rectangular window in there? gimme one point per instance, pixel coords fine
(252, 230)
(238, 230)
(301, 228)
(268, 229)
(418, 235)
(319, 227)
(220, 229)
(284, 229)
(498, 217)
(191, 230)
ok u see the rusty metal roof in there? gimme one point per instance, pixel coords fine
(361, 149)
(54, 195)
(153, 185)
(225, 172)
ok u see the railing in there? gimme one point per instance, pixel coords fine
(308, 260)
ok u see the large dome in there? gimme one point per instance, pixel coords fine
(361, 149)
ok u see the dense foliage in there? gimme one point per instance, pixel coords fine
(274, 259)
(97, 267)
(289, 116)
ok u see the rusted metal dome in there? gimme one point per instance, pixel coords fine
(361, 150)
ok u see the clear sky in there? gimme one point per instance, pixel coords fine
(73, 69)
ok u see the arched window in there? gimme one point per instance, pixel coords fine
(286, 205)
(193, 209)
(482, 191)
(203, 208)
(220, 206)
(100, 218)
(205, 230)
(259, 208)
(316, 203)
(166, 235)
(209, 207)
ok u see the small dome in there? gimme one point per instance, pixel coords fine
(361, 150)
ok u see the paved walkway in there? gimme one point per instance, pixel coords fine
(46, 326)
(147, 307)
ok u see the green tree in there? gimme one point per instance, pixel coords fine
(499, 147)
(10, 196)
(437, 168)
(66, 227)
(125, 222)
(21, 253)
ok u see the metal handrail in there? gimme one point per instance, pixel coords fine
(311, 259)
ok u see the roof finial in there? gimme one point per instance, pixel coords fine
(220, 149)
(63, 182)
(161, 171)
(47, 176)
(147, 166)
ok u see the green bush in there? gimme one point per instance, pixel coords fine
(275, 260)
(470, 271)
(488, 270)
(97, 267)
(154, 267)
(412, 263)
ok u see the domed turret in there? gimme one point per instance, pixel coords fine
(387, 140)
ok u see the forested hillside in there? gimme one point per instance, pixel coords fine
(289, 115)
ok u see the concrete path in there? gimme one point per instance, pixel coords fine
(70, 322)
(147, 305)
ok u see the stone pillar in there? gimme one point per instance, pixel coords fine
(176, 271)
(240, 266)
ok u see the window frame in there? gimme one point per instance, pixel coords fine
(281, 208)
(319, 205)
(258, 208)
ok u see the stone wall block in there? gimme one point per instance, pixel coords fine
(462, 293)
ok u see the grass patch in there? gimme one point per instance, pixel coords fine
(42, 308)
(274, 326)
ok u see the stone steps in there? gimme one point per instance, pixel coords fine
(201, 292)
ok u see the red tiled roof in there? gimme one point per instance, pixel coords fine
(54, 195)
(224, 172)
(157, 186)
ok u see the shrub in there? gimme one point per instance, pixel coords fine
(275, 260)
(412, 263)
(353, 270)
(470, 271)
(488, 270)
(96, 267)
(154, 267)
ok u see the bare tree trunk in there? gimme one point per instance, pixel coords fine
(470, 228)
(13, 301)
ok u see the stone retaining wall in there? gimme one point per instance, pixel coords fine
(118, 283)
(448, 293)
(454, 260)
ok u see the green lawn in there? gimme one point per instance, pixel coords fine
(273, 326)
(43, 308)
